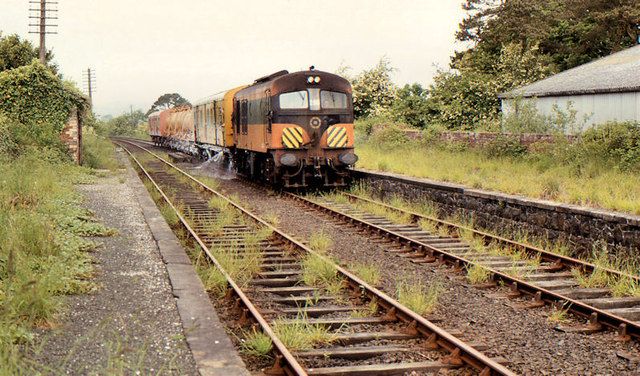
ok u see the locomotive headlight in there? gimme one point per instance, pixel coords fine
(310, 79)
(348, 158)
(317, 80)
(288, 159)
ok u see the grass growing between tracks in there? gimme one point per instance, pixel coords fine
(620, 285)
(257, 344)
(418, 297)
(300, 335)
(42, 253)
(320, 242)
(431, 225)
(316, 271)
(558, 315)
(477, 274)
(368, 273)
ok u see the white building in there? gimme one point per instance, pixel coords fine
(607, 89)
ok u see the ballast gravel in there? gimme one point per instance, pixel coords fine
(130, 325)
(523, 336)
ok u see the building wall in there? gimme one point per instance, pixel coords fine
(595, 108)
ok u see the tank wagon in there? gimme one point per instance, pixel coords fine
(286, 129)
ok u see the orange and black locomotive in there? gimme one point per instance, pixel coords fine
(287, 129)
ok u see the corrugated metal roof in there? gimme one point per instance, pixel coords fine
(619, 72)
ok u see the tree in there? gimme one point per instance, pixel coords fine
(571, 32)
(516, 42)
(125, 124)
(468, 97)
(167, 101)
(15, 53)
(411, 105)
(373, 90)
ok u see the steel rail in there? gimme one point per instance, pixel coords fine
(468, 354)
(294, 367)
(569, 262)
(594, 314)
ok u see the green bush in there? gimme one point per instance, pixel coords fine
(38, 104)
(504, 146)
(616, 144)
(390, 136)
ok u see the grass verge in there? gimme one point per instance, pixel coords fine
(538, 178)
(42, 253)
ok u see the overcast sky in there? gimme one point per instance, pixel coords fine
(141, 49)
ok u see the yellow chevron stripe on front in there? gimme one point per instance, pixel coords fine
(342, 142)
(296, 133)
(341, 133)
(286, 142)
(331, 132)
(299, 131)
(291, 139)
(335, 134)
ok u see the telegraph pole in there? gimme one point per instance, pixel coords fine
(90, 78)
(42, 14)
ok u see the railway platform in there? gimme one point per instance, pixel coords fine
(149, 313)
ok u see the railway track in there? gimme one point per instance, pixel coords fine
(370, 333)
(547, 277)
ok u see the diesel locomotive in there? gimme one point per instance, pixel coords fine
(285, 129)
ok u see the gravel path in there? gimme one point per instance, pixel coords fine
(131, 324)
(524, 336)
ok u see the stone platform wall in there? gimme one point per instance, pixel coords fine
(582, 227)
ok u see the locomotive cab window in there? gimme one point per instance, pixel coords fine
(294, 100)
(333, 100)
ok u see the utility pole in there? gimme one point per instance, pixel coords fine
(42, 14)
(89, 81)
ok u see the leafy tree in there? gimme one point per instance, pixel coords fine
(126, 124)
(571, 32)
(15, 53)
(468, 97)
(167, 101)
(411, 105)
(516, 42)
(373, 90)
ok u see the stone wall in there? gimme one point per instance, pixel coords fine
(483, 138)
(582, 227)
(72, 136)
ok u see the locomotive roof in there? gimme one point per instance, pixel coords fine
(281, 82)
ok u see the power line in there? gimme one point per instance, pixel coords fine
(42, 14)
(89, 77)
